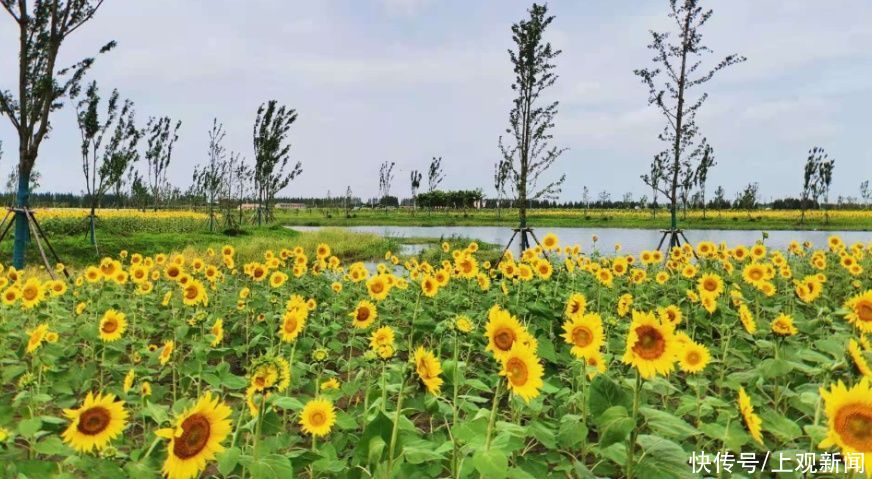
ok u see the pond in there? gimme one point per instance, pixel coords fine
(632, 240)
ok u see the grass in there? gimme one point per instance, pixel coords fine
(841, 220)
(75, 250)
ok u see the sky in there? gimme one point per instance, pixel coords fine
(406, 80)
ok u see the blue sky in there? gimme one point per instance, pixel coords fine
(404, 80)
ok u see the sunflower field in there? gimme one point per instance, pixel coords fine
(553, 363)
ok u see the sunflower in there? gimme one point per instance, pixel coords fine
(11, 295)
(429, 286)
(575, 306)
(329, 384)
(693, 358)
(585, 334)
(98, 421)
(523, 371)
(428, 368)
(277, 279)
(754, 273)
(363, 315)
(32, 293)
(293, 322)
(317, 417)
(502, 331)
(336, 287)
(596, 362)
(544, 269)
(382, 341)
(112, 325)
(57, 287)
(747, 319)
(849, 419)
(752, 420)
(605, 277)
(651, 345)
(196, 438)
(167, 351)
(463, 324)
(857, 356)
(36, 336)
(550, 242)
(710, 283)
(194, 293)
(377, 287)
(860, 311)
(783, 325)
(217, 332)
(128, 380)
(624, 303)
(670, 314)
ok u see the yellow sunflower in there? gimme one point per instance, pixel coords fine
(849, 419)
(317, 417)
(36, 336)
(651, 345)
(217, 332)
(502, 331)
(522, 369)
(783, 325)
(575, 306)
(363, 315)
(585, 334)
(670, 314)
(196, 438)
(694, 357)
(112, 325)
(194, 293)
(128, 380)
(429, 286)
(293, 322)
(752, 420)
(381, 339)
(860, 311)
(32, 293)
(858, 358)
(428, 368)
(463, 324)
(710, 283)
(167, 351)
(377, 287)
(98, 421)
(747, 319)
(277, 279)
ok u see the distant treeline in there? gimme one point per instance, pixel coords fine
(458, 199)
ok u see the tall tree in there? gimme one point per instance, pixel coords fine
(210, 181)
(434, 174)
(707, 161)
(865, 192)
(531, 118)
(675, 74)
(237, 187)
(43, 26)
(826, 180)
(161, 136)
(817, 176)
(415, 182)
(501, 175)
(653, 178)
(272, 155)
(104, 163)
(385, 178)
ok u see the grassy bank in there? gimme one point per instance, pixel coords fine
(854, 220)
(75, 250)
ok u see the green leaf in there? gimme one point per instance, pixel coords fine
(572, 431)
(272, 466)
(662, 458)
(666, 424)
(614, 425)
(29, 427)
(780, 426)
(491, 464)
(228, 460)
(543, 434)
(605, 393)
(285, 402)
(52, 446)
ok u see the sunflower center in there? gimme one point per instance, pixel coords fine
(710, 285)
(864, 311)
(94, 420)
(290, 325)
(195, 435)
(582, 336)
(317, 418)
(504, 338)
(362, 314)
(377, 288)
(755, 274)
(853, 423)
(517, 370)
(109, 326)
(574, 307)
(693, 358)
(191, 293)
(30, 293)
(650, 344)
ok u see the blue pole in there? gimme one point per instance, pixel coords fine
(21, 228)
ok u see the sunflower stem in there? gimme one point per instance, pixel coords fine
(395, 428)
(631, 450)
(493, 415)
